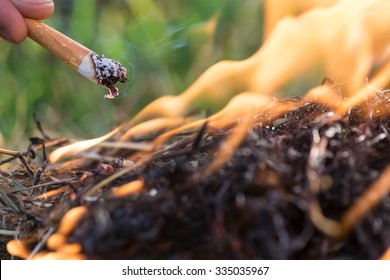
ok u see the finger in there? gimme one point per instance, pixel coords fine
(12, 25)
(34, 9)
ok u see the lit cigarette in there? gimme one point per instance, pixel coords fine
(102, 71)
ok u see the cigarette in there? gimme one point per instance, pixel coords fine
(99, 69)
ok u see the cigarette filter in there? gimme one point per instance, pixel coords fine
(99, 69)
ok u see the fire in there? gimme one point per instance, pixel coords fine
(78, 147)
(347, 40)
(275, 11)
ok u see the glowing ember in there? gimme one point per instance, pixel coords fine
(127, 189)
(17, 248)
(70, 219)
(386, 255)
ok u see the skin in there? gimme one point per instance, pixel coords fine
(12, 13)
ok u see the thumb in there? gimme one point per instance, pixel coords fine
(34, 9)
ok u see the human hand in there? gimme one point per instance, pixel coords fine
(12, 13)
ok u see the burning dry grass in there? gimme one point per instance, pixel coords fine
(262, 178)
(297, 182)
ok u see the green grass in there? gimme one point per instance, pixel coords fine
(164, 43)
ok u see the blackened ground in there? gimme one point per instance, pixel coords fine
(256, 205)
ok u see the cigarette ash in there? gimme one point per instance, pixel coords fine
(254, 207)
(108, 73)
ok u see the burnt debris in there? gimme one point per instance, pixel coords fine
(257, 206)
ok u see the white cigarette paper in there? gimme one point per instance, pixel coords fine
(100, 70)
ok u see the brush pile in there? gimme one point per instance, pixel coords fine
(307, 185)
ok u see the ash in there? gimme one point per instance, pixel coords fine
(108, 73)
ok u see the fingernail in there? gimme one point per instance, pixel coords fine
(35, 1)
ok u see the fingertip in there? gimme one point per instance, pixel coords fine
(14, 35)
(35, 9)
(19, 35)
(13, 26)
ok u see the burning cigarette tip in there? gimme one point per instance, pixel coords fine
(103, 71)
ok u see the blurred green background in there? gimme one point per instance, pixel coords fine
(167, 44)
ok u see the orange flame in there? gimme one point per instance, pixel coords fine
(127, 189)
(386, 255)
(347, 40)
(277, 10)
(78, 147)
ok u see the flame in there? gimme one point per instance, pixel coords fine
(367, 201)
(347, 39)
(275, 10)
(78, 147)
(127, 189)
(70, 219)
(18, 248)
(386, 255)
(152, 126)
